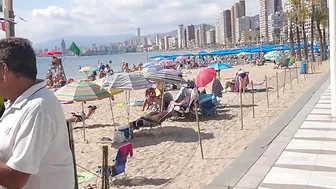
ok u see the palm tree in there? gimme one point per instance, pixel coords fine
(324, 24)
(312, 28)
(303, 14)
(320, 16)
(296, 7)
(291, 16)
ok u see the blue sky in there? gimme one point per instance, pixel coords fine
(47, 19)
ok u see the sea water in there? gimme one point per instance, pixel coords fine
(72, 64)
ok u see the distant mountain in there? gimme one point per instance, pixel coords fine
(84, 40)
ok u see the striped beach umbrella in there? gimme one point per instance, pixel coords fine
(166, 77)
(112, 92)
(81, 91)
(125, 81)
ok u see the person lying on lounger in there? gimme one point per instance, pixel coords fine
(153, 117)
(77, 117)
(175, 105)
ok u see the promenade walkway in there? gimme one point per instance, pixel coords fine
(298, 151)
(309, 160)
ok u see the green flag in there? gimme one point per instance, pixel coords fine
(73, 48)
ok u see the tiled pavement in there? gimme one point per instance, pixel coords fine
(309, 160)
(298, 151)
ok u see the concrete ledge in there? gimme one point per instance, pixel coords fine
(233, 174)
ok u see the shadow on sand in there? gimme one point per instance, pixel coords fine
(176, 134)
(140, 181)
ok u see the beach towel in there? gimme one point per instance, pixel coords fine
(217, 88)
(121, 158)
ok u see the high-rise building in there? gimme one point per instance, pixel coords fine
(190, 34)
(138, 36)
(161, 44)
(172, 41)
(197, 37)
(218, 31)
(238, 12)
(63, 46)
(255, 23)
(184, 40)
(223, 27)
(180, 36)
(267, 7)
(211, 37)
(157, 40)
(244, 23)
(166, 42)
(202, 34)
(275, 25)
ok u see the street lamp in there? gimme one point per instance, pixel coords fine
(9, 14)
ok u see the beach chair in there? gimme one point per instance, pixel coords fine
(187, 111)
(208, 104)
(153, 123)
(121, 159)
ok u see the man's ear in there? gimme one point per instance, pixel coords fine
(4, 71)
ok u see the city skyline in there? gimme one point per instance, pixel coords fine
(44, 19)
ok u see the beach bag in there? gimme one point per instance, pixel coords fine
(119, 137)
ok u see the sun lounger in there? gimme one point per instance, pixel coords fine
(148, 121)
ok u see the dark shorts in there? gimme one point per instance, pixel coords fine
(242, 75)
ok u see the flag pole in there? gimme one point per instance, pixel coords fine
(9, 14)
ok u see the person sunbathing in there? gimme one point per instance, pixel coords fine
(175, 105)
(77, 117)
(151, 117)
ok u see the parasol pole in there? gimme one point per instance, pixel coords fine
(199, 130)
(82, 114)
(112, 112)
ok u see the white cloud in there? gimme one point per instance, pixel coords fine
(101, 17)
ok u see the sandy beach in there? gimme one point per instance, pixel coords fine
(173, 160)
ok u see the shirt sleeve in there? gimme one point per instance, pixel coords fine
(35, 136)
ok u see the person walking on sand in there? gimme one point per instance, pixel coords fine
(34, 144)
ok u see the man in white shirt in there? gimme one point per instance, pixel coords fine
(34, 147)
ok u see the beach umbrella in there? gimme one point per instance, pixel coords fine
(243, 54)
(150, 69)
(180, 58)
(127, 82)
(273, 55)
(85, 69)
(172, 71)
(112, 92)
(205, 76)
(167, 63)
(51, 53)
(220, 66)
(159, 58)
(165, 76)
(81, 91)
(147, 64)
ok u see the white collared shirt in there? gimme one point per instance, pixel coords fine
(34, 139)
